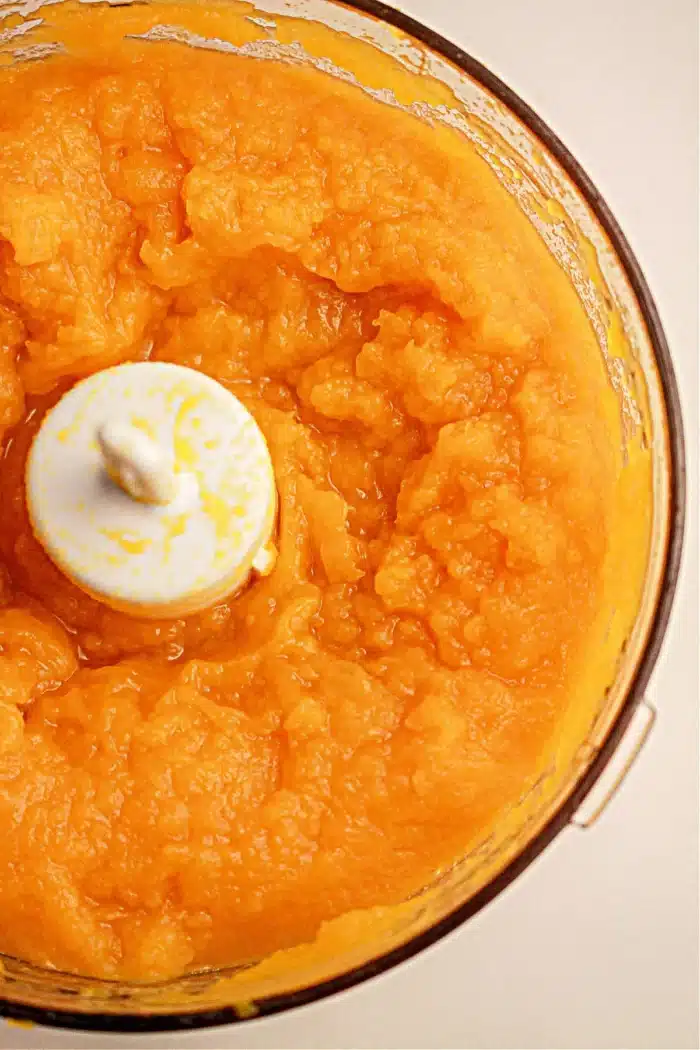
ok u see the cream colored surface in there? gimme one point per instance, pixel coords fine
(596, 946)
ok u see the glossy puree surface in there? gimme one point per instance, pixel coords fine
(200, 792)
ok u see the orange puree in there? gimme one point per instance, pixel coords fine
(182, 794)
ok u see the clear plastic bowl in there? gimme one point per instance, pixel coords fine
(403, 63)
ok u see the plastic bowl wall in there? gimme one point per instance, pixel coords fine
(402, 63)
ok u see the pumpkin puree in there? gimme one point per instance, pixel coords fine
(205, 791)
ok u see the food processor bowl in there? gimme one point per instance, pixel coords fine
(404, 64)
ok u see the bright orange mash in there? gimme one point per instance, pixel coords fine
(204, 791)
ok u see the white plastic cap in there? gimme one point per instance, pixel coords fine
(151, 486)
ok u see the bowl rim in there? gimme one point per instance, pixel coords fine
(192, 1019)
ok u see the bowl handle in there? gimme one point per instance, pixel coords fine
(627, 751)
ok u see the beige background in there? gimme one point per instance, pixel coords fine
(597, 944)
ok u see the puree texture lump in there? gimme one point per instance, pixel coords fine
(205, 791)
